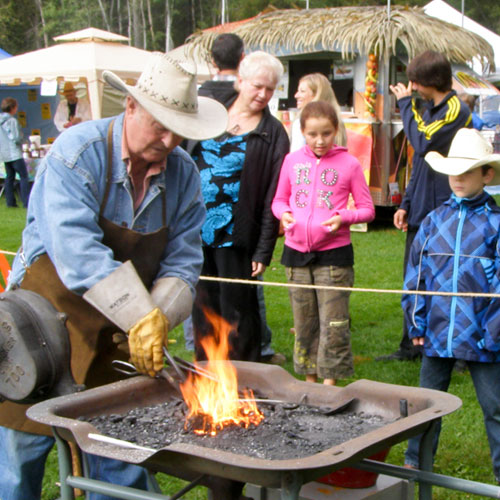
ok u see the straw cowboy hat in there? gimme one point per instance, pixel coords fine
(468, 150)
(167, 90)
(68, 88)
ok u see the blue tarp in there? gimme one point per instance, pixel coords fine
(35, 112)
(4, 54)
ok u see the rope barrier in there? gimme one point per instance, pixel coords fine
(337, 288)
(350, 289)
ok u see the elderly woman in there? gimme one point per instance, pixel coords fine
(239, 173)
(315, 87)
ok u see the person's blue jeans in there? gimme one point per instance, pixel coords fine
(22, 465)
(187, 327)
(266, 333)
(11, 168)
(435, 373)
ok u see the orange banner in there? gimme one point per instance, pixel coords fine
(359, 144)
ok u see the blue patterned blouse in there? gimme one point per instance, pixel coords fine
(220, 162)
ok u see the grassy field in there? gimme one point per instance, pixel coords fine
(376, 330)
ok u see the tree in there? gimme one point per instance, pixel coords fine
(162, 24)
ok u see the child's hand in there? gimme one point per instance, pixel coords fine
(418, 341)
(287, 220)
(401, 219)
(333, 223)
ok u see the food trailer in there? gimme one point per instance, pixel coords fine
(362, 50)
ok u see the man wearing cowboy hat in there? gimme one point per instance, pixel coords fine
(113, 241)
(71, 109)
(456, 249)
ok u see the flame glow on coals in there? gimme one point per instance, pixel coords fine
(215, 404)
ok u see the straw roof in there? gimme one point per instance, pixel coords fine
(350, 30)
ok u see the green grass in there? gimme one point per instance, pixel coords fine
(376, 330)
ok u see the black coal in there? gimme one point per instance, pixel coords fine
(287, 431)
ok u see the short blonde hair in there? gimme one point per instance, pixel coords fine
(258, 61)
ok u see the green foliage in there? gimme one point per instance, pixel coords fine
(22, 28)
(18, 20)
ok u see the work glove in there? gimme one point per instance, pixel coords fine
(123, 299)
(174, 297)
(146, 340)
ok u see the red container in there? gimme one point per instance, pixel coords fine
(348, 477)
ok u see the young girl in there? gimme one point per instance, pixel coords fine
(311, 202)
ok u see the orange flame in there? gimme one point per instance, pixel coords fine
(214, 404)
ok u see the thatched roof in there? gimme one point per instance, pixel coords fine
(350, 30)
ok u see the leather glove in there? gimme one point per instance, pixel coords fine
(174, 297)
(146, 340)
(124, 300)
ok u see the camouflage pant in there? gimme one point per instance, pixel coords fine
(321, 321)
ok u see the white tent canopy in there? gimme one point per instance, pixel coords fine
(82, 56)
(443, 11)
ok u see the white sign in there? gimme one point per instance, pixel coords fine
(281, 91)
(48, 87)
(343, 71)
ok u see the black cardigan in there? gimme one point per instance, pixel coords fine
(255, 227)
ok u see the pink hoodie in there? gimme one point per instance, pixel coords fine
(314, 189)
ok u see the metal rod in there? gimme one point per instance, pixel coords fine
(425, 458)
(174, 365)
(118, 442)
(188, 487)
(64, 459)
(449, 482)
(195, 369)
(291, 483)
(113, 490)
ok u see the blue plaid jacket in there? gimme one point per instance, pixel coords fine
(456, 250)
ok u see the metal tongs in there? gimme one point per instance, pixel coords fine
(130, 370)
(179, 365)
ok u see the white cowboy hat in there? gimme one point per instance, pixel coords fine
(166, 89)
(468, 150)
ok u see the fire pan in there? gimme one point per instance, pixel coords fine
(187, 461)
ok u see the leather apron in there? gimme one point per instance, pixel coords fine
(92, 346)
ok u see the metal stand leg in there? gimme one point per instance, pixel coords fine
(425, 460)
(65, 468)
(291, 483)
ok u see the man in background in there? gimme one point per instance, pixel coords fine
(71, 109)
(227, 53)
(429, 74)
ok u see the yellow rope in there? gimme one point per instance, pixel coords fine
(348, 289)
(336, 288)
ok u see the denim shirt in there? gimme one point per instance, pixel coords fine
(65, 201)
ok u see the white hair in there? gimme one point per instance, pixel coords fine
(258, 61)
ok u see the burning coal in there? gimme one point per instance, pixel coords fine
(214, 403)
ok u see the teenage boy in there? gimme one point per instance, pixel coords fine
(429, 75)
(456, 250)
